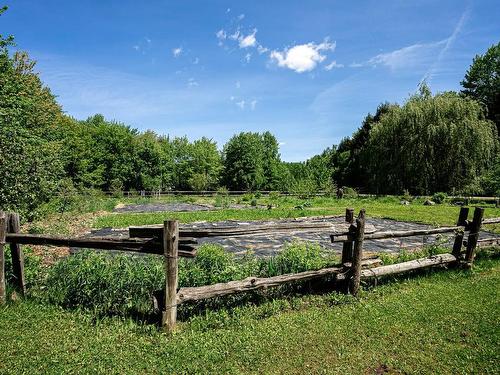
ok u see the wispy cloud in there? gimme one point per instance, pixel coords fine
(333, 65)
(419, 55)
(302, 57)
(448, 44)
(410, 56)
(177, 52)
(249, 40)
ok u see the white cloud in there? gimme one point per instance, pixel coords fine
(238, 84)
(241, 16)
(228, 10)
(247, 57)
(196, 61)
(241, 104)
(221, 34)
(177, 51)
(253, 103)
(249, 40)
(332, 65)
(235, 35)
(261, 49)
(136, 47)
(303, 57)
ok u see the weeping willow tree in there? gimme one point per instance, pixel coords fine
(431, 143)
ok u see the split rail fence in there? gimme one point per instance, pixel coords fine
(173, 242)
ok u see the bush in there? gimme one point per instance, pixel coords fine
(253, 202)
(222, 198)
(110, 284)
(439, 197)
(350, 192)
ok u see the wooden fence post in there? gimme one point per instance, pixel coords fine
(357, 254)
(170, 251)
(347, 245)
(3, 231)
(459, 238)
(14, 226)
(475, 227)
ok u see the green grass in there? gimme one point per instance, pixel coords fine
(445, 323)
(383, 208)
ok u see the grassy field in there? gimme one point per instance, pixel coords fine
(389, 208)
(446, 323)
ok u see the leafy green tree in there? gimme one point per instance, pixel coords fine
(243, 162)
(29, 142)
(350, 169)
(431, 143)
(207, 165)
(482, 82)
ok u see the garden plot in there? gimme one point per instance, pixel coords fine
(271, 243)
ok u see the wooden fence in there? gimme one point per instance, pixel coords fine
(173, 242)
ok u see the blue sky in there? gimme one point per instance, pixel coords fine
(308, 71)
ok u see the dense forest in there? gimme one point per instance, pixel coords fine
(443, 142)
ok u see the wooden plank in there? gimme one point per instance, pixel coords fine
(475, 227)
(254, 283)
(103, 243)
(155, 231)
(17, 255)
(355, 272)
(412, 265)
(170, 245)
(250, 283)
(493, 220)
(3, 230)
(398, 234)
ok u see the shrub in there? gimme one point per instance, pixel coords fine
(350, 192)
(439, 197)
(222, 198)
(110, 284)
(253, 202)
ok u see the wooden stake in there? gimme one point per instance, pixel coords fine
(14, 226)
(357, 254)
(170, 248)
(475, 227)
(347, 245)
(459, 238)
(3, 230)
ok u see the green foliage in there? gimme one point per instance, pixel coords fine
(430, 144)
(482, 82)
(297, 257)
(33, 269)
(439, 197)
(106, 284)
(222, 198)
(29, 142)
(124, 284)
(251, 162)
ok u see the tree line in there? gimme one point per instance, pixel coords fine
(444, 142)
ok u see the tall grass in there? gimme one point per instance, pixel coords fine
(118, 284)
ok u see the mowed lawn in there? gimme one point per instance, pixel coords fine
(447, 322)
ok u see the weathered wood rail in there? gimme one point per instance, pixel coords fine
(173, 242)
